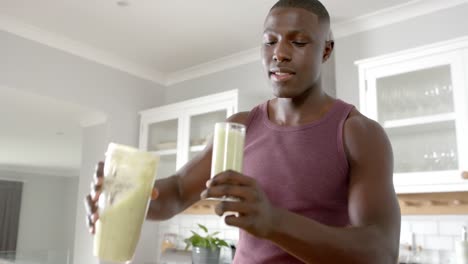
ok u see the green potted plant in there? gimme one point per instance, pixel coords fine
(205, 249)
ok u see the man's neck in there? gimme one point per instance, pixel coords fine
(306, 108)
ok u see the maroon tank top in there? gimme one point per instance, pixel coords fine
(303, 169)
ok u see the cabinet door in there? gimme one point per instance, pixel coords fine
(421, 105)
(162, 138)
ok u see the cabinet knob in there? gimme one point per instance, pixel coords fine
(465, 175)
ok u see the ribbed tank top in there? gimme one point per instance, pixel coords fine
(303, 169)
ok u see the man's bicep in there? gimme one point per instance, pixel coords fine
(372, 199)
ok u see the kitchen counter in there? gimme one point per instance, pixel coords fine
(174, 256)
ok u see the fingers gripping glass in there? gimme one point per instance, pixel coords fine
(228, 150)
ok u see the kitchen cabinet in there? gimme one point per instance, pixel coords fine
(178, 132)
(420, 98)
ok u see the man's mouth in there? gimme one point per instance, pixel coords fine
(281, 74)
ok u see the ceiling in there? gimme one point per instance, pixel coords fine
(165, 36)
(40, 134)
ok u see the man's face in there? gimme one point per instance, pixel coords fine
(293, 50)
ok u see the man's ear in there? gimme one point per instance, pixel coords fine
(327, 52)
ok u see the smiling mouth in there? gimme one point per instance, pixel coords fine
(281, 76)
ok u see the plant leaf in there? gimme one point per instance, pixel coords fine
(222, 243)
(203, 227)
(203, 243)
(209, 241)
(188, 242)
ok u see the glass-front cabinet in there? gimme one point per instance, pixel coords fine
(420, 98)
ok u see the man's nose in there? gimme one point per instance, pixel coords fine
(281, 52)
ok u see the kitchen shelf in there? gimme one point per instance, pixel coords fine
(162, 135)
(197, 148)
(443, 203)
(165, 152)
(431, 119)
(422, 129)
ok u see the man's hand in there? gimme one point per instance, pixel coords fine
(92, 198)
(256, 215)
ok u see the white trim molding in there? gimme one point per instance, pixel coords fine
(27, 31)
(221, 64)
(35, 170)
(392, 15)
(203, 100)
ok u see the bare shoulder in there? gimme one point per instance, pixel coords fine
(240, 118)
(363, 136)
(357, 122)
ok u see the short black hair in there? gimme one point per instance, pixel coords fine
(314, 6)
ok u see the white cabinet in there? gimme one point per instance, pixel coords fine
(177, 132)
(420, 97)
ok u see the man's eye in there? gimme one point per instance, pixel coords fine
(299, 43)
(269, 43)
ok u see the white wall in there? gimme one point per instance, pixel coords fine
(71, 191)
(249, 79)
(47, 216)
(439, 26)
(94, 144)
(38, 69)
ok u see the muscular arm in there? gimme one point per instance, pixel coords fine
(183, 189)
(373, 236)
